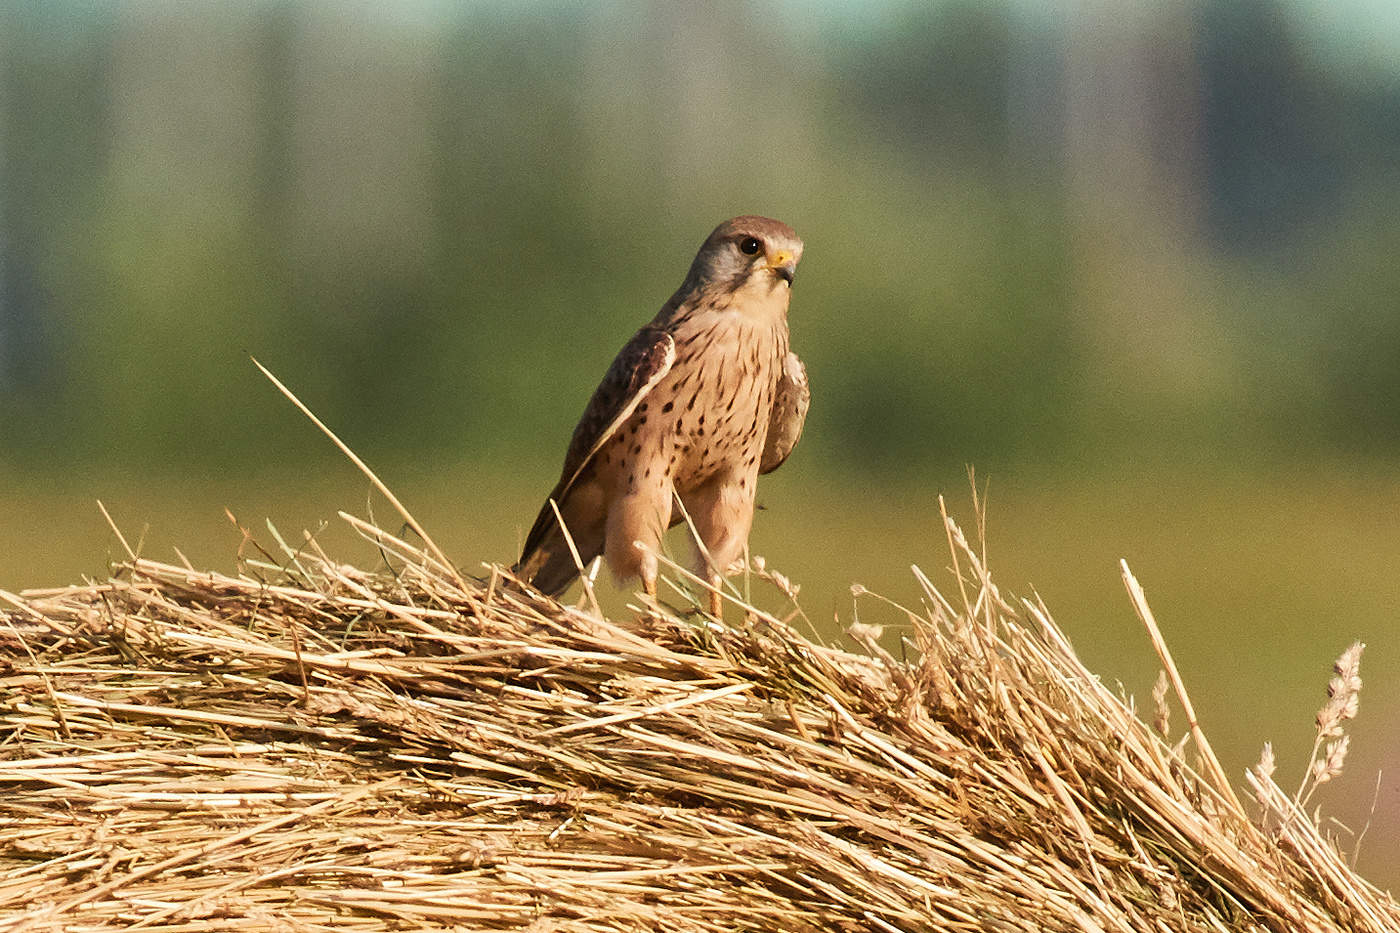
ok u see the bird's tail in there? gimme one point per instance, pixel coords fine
(547, 563)
(548, 569)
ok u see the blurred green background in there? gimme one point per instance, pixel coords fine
(1136, 262)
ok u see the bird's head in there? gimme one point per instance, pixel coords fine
(749, 254)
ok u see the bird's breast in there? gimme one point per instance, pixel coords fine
(710, 413)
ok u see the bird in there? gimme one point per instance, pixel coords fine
(702, 400)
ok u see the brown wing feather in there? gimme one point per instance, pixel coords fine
(790, 403)
(636, 370)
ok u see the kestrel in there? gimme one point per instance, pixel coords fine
(698, 403)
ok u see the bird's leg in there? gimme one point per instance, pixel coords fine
(721, 511)
(651, 609)
(636, 522)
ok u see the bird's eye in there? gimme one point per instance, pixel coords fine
(750, 246)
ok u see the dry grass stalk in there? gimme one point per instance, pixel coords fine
(318, 748)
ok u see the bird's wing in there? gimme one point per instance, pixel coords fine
(790, 404)
(639, 366)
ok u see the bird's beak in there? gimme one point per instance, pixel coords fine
(784, 264)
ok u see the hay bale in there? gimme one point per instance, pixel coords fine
(314, 748)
